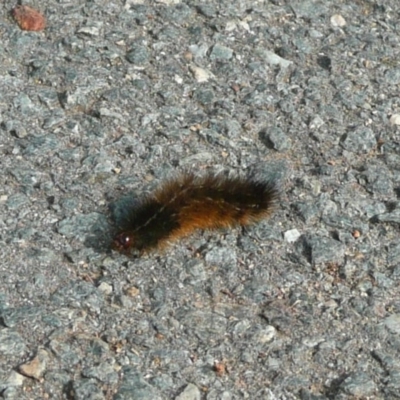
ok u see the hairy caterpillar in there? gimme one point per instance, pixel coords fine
(189, 202)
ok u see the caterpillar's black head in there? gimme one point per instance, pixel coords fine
(123, 242)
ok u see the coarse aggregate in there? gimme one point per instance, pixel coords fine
(112, 97)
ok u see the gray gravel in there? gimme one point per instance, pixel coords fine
(112, 97)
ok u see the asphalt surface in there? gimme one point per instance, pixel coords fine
(111, 98)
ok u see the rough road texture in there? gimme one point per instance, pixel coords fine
(112, 97)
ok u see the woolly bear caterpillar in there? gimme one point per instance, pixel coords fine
(189, 202)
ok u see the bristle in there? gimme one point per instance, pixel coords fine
(189, 202)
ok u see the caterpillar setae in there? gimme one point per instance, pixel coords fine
(189, 202)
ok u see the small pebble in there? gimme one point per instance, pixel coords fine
(28, 19)
(338, 21)
(36, 366)
(220, 52)
(105, 288)
(358, 385)
(191, 392)
(393, 323)
(169, 2)
(14, 379)
(292, 235)
(133, 291)
(395, 119)
(200, 74)
(265, 335)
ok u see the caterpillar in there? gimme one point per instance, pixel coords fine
(188, 202)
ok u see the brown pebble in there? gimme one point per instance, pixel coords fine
(133, 291)
(188, 56)
(219, 368)
(235, 87)
(28, 19)
(35, 367)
